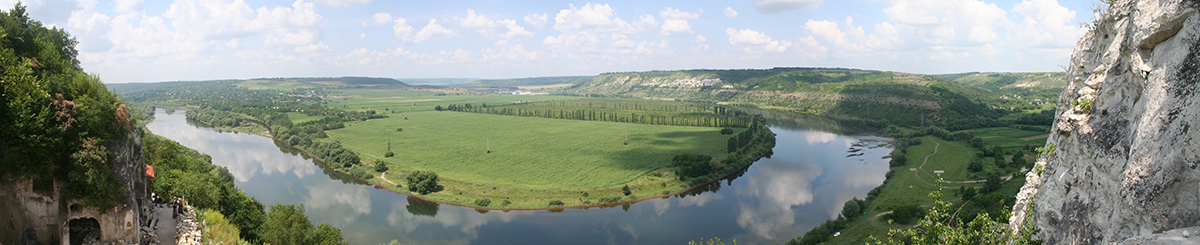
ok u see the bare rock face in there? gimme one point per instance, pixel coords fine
(1125, 154)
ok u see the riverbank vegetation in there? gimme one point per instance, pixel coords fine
(987, 190)
(184, 172)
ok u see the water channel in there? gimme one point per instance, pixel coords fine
(811, 174)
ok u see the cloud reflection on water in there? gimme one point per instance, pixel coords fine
(243, 154)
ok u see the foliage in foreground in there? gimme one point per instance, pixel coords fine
(287, 224)
(939, 226)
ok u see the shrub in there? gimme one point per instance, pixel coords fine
(585, 194)
(380, 166)
(361, 174)
(505, 202)
(898, 159)
(483, 202)
(608, 199)
(389, 154)
(905, 214)
(625, 190)
(556, 203)
(423, 182)
(727, 131)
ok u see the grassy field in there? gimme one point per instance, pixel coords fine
(298, 117)
(906, 188)
(1010, 138)
(398, 101)
(532, 159)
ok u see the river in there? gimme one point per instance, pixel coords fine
(811, 174)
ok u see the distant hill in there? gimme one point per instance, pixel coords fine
(873, 97)
(1011, 80)
(525, 83)
(271, 83)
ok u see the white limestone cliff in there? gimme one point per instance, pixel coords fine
(1125, 167)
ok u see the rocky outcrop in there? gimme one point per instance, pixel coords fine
(37, 206)
(1125, 156)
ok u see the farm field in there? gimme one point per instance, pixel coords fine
(1010, 138)
(397, 101)
(548, 158)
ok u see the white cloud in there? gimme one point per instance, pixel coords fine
(363, 36)
(344, 3)
(476, 21)
(776, 6)
(431, 31)
(515, 31)
(675, 22)
(755, 42)
(130, 6)
(536, 20)
(957, 22)
(700, 44)
(91, 26)
(596, 18)
(379, 19)
(1046, 25)
(283, 37)
(730, 13)
(402, 29)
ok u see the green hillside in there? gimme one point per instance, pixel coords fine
(872, 97)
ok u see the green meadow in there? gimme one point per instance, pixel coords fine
(399, 101)
(1010, 138)
(531, 159)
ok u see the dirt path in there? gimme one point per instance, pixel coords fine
(166, 225)
(384, 178)
(921, 169)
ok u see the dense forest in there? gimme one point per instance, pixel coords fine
(57, 119)
(58, 122)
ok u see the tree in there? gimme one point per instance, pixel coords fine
(968, 193)
(976, 165)
(286, 224)
(380, 166)
(423, 182)
(625, 189)
(852, 208)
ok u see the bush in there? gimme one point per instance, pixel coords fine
(505, 202)
(905, 214)
(691, 165)
(423, 182)
(556, 203)
(609, 199)
(361, 174)
(853, 208)
(483, 202)
(898, 159)
(380, 166)
(389, 154)
(976, 165)
(727, 131)
(625, 190)
(585, 194)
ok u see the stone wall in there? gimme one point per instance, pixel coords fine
(1125, 166)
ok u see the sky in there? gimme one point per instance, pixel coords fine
(149, 41)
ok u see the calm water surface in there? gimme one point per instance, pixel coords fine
(811, 174)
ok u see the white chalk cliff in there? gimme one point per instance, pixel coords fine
(1124, 169)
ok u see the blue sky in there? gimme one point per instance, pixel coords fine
(147, 41)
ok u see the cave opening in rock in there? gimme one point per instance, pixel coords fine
(84, 231)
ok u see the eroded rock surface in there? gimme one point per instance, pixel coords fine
(1125, 166)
